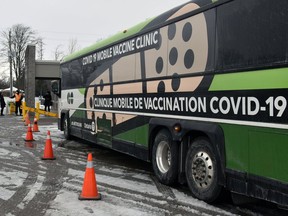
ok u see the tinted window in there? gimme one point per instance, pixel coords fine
(252, 33)
(72, 76)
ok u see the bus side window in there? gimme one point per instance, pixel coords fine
(248, 36)
(56, 88)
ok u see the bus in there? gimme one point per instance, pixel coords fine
(199, 91)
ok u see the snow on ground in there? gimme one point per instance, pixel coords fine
(124, 191)
(9, 182)
(65, 204)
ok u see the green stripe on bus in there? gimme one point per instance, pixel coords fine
(256, 150)
(82, 91)
(105, 42)
(137, 135)
(262, 79)
(79, 113)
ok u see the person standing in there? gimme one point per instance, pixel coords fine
(2, 102)
(18, 101)
(47, 101)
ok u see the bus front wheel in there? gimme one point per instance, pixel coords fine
(66, 128)
(165, 158)
(202, 171)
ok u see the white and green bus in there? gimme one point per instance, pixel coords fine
(199, 91)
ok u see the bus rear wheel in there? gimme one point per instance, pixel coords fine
(66, 128)
(202, 171)
(165, 158)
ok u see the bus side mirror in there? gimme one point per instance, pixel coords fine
(55, 86)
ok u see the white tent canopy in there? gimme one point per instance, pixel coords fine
(8, 89)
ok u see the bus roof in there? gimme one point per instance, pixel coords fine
(118, 36)
(126, 33)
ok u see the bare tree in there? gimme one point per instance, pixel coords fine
(4, 81)
(58, 53)
(14, 42)
(40, 48)
(73, 46)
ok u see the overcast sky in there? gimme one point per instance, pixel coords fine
(59, 21)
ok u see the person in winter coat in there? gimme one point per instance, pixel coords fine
(2, 103)
(18, 101)
(47, 101)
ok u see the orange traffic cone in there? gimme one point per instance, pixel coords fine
(48, 151)
(35, 126)
(29, 135)
(27, 120)
(89, 189)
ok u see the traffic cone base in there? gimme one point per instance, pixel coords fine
(90, 198)
(29, 135)
(43, 158)
(89, 188)
(48, 151)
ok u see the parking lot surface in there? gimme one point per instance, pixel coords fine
(32, 186)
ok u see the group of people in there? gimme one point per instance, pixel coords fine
(18, 101)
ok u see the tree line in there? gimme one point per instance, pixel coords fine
(13, 43)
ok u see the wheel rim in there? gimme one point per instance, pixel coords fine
(163, 157)
(202, 170)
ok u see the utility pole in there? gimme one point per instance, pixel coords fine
(10, 63)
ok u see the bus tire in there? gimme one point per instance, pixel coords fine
(202, 171)
(165, 158)
(66, 127)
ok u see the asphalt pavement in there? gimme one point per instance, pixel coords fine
(34, 187)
